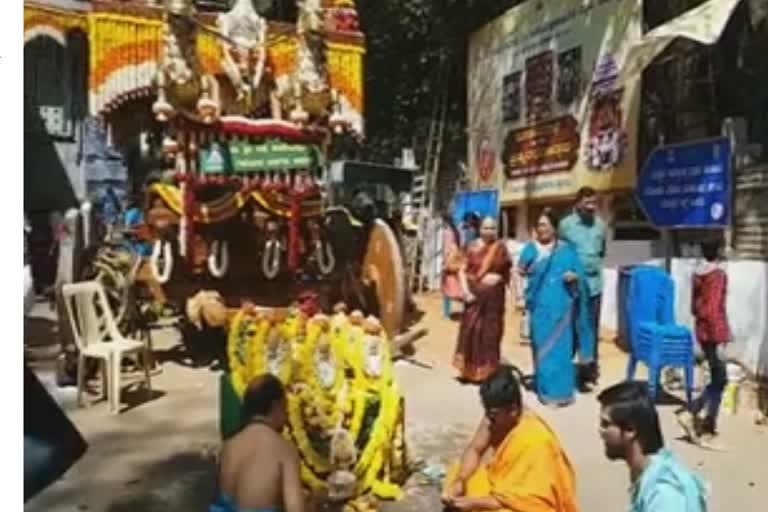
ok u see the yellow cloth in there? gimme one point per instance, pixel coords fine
(529, 472)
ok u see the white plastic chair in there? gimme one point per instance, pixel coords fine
(97, 337)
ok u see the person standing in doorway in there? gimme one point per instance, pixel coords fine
(710, 289)
(586, 231)
(630, 430)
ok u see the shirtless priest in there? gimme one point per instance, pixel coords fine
(259, 469)
(528, 471)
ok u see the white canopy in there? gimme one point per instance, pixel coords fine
(703, 24)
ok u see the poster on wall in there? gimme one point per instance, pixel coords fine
(483, 203)
(544, 82)
(485, 159)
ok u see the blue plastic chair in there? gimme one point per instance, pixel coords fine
(654, 338)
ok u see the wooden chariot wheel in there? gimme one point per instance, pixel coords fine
(116, 270)
(383, 269)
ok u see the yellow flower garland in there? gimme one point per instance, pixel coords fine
(382, 429)
(247, 353)
(292, 326)
(357, 357)
(376, 451)
(237, 353)
(360, 400)
(323, 400)
(308, 454)
(258, 358)
(312, 481)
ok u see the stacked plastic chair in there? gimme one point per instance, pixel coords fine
(654, 338)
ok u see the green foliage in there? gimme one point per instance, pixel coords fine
(416, 52)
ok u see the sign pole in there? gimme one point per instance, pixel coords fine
(666, 236)
(731, 225)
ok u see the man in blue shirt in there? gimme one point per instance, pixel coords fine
(630, 430)
(586, 232)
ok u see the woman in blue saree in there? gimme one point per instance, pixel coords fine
(557, 302)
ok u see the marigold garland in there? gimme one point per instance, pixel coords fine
(345, 403)
(308, 373)
(311, 480)
(360, 402)
(329, 403)
(294, 327)
(357, 355)
(237, 348)
(308, 454)
(382, 429)
(371, 461)
(258, 357)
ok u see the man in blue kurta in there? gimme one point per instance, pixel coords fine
(630, 430)
(586, 231)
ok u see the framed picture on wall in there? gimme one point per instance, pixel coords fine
(511, 100)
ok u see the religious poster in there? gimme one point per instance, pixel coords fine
(544, 85)
(485, 160)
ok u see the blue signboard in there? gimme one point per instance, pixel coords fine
(482, 202)
(687, 185)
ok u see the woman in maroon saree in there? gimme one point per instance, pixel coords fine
(484, 279)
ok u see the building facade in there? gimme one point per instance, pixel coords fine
(546, 117)
(548, 110)
(552, 108)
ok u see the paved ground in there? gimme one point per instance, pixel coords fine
(157, 454)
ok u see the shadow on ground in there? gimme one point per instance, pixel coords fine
(426, 442)
(136, 461)
(185, 481)
(136, 395)
(40, 331)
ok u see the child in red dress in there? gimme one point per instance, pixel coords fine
(710, 285)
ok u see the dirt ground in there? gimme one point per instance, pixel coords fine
(157, 454)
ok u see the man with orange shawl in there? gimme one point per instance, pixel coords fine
(529, 471)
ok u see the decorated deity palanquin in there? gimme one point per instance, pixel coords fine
(239, 110)
(127, 40)
(344, 407)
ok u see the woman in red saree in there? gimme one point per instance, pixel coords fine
(452, 261)
(484, 280)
